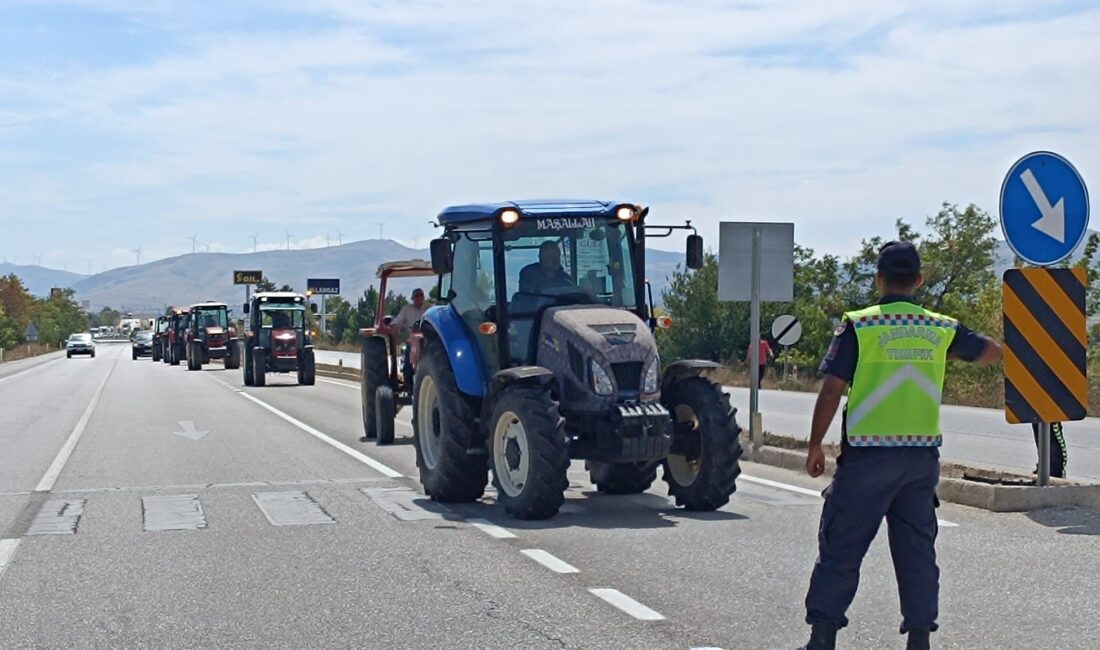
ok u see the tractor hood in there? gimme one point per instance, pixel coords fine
(572, 337)
(215, 330)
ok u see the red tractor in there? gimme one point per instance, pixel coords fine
(386, 374)
(177, 328)
(209, 336)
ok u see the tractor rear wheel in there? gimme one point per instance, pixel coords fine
(307, 368)
(194, 357)
(704, 423)
(247, 367)
(233, 358)
(373, 373)
(443, 430)
(386, 414)
(621, 478)
(175, 360)
(259, 367)
(528, 452)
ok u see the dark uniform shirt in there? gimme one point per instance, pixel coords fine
(840, 360)
(533, 279)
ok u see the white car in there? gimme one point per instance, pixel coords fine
(80, 344)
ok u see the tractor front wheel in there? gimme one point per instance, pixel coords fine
(259, 367)
(621, 478)
(307, 368)
(528, 452)
(233, 359)
(194, 357)
(703, 475)
(246, 367)
(373, 373)
(386, 413)
(175, 359)
(443, 430)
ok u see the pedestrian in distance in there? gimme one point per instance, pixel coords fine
(1059, 452)
(765, 355)
(893, 356)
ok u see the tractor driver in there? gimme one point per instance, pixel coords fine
(408, 319)
(545, 274)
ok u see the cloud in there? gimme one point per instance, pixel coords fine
(336, 115)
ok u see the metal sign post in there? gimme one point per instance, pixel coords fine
(1044, 217)
(755, 264)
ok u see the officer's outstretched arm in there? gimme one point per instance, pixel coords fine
(990, 355)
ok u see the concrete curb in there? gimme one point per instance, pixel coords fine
(969, 486)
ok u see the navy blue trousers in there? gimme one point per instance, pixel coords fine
(870, 484)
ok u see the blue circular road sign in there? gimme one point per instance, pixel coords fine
(1044, 208)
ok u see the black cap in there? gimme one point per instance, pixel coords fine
(899, 258)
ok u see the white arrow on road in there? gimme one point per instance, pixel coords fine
(189, 430)
(1053, 221)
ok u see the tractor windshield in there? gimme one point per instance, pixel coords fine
(211, 317)
(282, 316)
(555, 259)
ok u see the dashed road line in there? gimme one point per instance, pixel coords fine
(801, 490)
(58, 464)
(7, 550)
(626, 604)
(359, 456)
(549, 561)
(337, 383)
(491, 529)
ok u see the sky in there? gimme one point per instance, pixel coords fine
(144, 124)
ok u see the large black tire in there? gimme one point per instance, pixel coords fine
(702, 412)
(528, 452)
(194, 357)
(386, 414)
(69, 355)
(156, 352)
(373, 372)
(134, 352)
(176, 354)
(621, 478)
(307, 368)
(247, 367)
(233, 359)
(259, 367)
(444, 425)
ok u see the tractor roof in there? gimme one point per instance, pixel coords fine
(528, 208)
(279, 296)
(406, 269)
(210, 303)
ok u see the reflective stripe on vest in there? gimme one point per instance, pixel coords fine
(895, 396)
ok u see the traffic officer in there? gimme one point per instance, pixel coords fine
(894, 356)
(1059, 451)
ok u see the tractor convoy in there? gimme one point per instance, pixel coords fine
(540, 350)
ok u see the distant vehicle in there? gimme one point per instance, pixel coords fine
(81, 343)
(142, 344)
(160, 338)
(209, 336)
(177, 329)
(278, 339)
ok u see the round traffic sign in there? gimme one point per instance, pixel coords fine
(1044, 208)
(786, 330)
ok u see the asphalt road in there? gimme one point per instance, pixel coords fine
(971, 435)
(143, 505)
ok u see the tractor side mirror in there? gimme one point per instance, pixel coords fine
(313, 307)
(694, 252)
(442, 261)
(245, 307)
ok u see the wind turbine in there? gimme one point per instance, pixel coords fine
(327, 243)
(287, 240)
(339, 238)
(194, 239)
(207, 244)
(138, 252)
(254, 238)
(380, 225)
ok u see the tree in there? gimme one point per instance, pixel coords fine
(265, 285)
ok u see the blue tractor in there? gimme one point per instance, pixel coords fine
(542, 351)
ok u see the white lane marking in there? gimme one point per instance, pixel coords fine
(359, 456)
(7, 551)
(337, 383)
(549, 561)
(491, 529)
(58, 464)
(813, 493)
(627, 604)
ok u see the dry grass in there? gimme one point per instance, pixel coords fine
(27, 350)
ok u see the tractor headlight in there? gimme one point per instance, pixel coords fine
(509, 217)
(601, 381)
(624, 213)
(651, 383)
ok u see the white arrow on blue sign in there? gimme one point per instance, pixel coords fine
(1044, 208)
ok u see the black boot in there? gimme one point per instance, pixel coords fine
(821, 638)
(918, 639)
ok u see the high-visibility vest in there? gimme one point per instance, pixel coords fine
(895, 395)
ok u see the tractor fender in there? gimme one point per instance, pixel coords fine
(678, 370)
(445, 323)
(536, 375)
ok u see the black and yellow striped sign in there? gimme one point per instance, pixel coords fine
(1045, 345)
